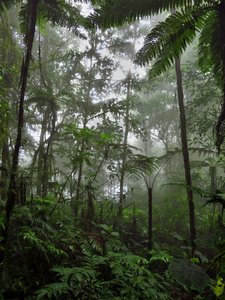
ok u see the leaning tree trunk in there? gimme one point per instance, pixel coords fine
(186, 154)
(29, 38)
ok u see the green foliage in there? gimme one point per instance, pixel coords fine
(160, 256)
(142, 165)
(7, 4)
(36, 243)
(55, 252)
(52, 291)
(76, 282)
(118, 12)
(204, 95)
(218, 287)
(4, 116)
(57, 12)
(126, 276)
(169, 39)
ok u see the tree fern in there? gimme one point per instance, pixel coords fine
(170, 38)
(141, 165)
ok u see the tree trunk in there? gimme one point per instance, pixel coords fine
(150, 242)
(220, 132)
(4, 171)
(212, 174)
(29, 38)
(125, 140)
(127, 126)
(186, 154)
(79, 179)
(85, 121)
(41, 152)
(46, 161)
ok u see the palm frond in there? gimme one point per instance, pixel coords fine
(60, 12)
(141, 165)
(217, 48)
(202, 151)
(44, 99)
(117, 12)
(216, 45)
(23, 17)
(215, 199)
(7, 4)
(170, 38)
(204, 56)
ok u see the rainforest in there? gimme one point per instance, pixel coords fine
(112, 149)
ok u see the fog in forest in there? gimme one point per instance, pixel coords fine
(112, 154)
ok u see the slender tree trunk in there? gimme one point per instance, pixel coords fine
(4, 170)
(81, 164)
(32, 170)
(29, 38)
(80, 174)
(125, 141)
(50, 115)
(41, 152)
(150, 241)
(212, 174)
(127, 127)
(85, 121)
(186, 154)
(46, 156)
(220, 133)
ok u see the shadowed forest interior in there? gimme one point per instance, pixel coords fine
(112, 151)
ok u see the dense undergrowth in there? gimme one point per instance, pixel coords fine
(53, 256)
(99, 199)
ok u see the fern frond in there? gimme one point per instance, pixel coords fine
(7, 4)
(141, 165)
(204, 55)
(202, 151)
(52, 291)
(217, 48)
(117, 12)
(60, 12)
(170, 38)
